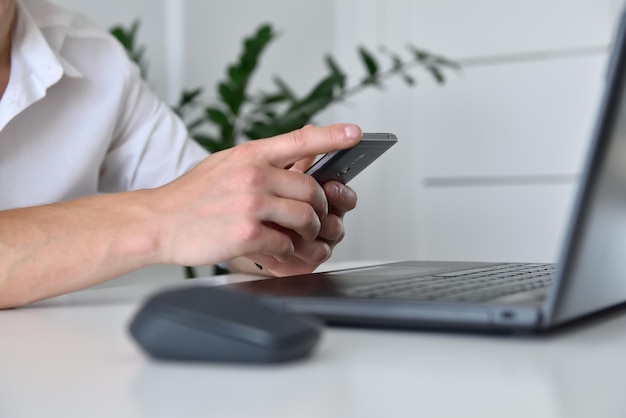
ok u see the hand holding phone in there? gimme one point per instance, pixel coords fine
(344, 165)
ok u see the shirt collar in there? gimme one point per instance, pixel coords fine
(42, 17)
(36, 62)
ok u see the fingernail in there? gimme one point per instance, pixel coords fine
(352, 131)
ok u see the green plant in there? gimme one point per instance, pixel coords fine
(239, 114)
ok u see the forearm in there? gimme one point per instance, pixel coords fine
(55, 249)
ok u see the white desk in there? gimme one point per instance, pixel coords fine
(72, 357)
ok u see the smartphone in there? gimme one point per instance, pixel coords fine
(344, 165)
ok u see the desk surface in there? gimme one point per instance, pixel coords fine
(71, 356)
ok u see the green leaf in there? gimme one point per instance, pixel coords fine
(326, 87)
(285, 89)
(227, 136)
(134, 28)
(397, 62)
(120, 34)
(369, 61)
(264, 34)
(268, 113)
(232, 98)
(249, 58)
(437, 74)
(336, 70)
(209, 143)
(446, 62)
(187, 99)
(420, 55)
(409, 80)
(232, 92)
(196, 123)
(319, 98)
(258, 130)
(298, 115)
(253, 47)
(189, 96)
(237, 75)
(270, 99)
(216, 115)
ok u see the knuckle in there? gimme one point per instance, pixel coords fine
(311, 222)
(334, 132)
(315, 194)
(251, 176)
(307, 215)
(320, 253)
(250, 203)
(245, 150)
(298, 136)
(311, 187)
(333, 228)
(286, 247)
(249, 231)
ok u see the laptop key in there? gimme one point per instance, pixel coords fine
(497, 281)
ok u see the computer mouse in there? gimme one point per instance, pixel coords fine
(214, 324)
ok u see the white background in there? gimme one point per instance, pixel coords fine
(487, 165)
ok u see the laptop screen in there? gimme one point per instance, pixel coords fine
(594, 260)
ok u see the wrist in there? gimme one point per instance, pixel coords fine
(143, 239)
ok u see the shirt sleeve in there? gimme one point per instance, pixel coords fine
(151, 145)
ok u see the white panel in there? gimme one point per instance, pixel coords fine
(380, 228)
(527, 118)
(175, 59)
(489, 27)
(513, 223)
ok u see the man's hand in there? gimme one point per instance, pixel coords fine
(243, 202)
(308, 255)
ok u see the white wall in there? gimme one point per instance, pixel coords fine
(486, 166)
(190, 42)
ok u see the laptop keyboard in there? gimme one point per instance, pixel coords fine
(471, 285)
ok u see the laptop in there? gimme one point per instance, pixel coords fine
(512, 297)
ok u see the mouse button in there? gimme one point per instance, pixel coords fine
(242, 316)
(233, 315)
(164, 338)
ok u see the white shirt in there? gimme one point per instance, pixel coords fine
(76, 119)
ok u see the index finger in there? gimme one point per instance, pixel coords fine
(286, 149)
